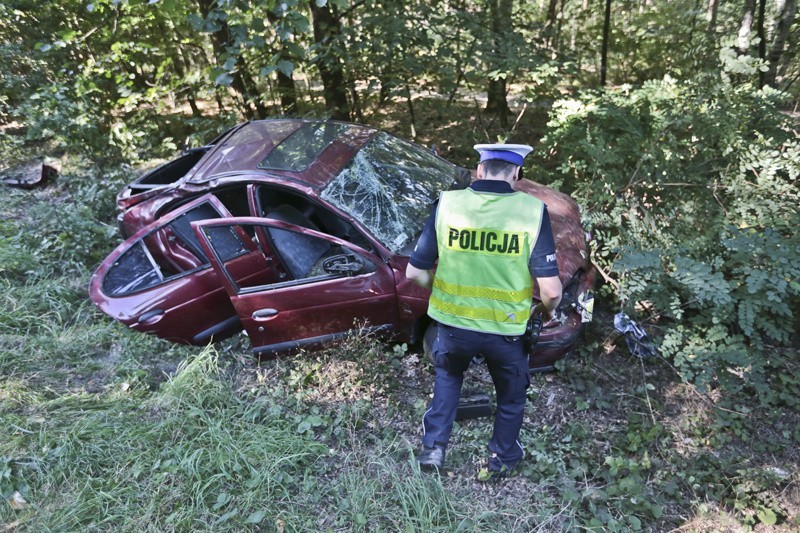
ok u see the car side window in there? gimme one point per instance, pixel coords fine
(283, 257)
(166, 252)
(280, 204)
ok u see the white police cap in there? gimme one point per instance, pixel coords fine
(512, 153)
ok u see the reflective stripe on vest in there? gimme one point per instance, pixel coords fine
(485, 240)
(481, 313)
(482, 292)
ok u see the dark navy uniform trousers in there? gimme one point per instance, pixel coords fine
(453, 351)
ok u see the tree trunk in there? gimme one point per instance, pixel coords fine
(193, 105)
(762, 40)
(250, 88)
(386, 88)
(711, 16)
(327, 28)
(746, 26)
(218, 98)
(411, 114)
(783, 23)
(604, 49)
(288, 94)
(496, 102)
(500, 24)
(550, 24)
(221, 40)
(358, 112)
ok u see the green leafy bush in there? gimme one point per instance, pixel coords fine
(691, 191)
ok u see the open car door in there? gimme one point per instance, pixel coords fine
(319, 287)
(160, 281)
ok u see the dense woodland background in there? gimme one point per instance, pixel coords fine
(106, 62)
(673, 123)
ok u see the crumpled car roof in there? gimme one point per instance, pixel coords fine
(245, 149)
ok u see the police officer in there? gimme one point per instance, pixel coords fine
(491, 243)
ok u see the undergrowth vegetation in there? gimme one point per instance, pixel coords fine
(691, 191)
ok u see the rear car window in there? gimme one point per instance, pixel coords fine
(302, 147)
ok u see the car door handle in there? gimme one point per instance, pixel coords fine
(264, 313)
(150, 316)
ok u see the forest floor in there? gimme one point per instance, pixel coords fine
(104, 428)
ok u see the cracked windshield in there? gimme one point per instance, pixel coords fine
(389, 187)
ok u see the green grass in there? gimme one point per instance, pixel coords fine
(191, 456)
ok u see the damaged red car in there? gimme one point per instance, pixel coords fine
(298, 232)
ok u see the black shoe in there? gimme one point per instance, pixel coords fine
(431, 459)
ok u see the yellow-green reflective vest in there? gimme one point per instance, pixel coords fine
(485, 240)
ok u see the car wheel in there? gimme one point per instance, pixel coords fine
(429, 339)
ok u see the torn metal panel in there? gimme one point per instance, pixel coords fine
(30, 176)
